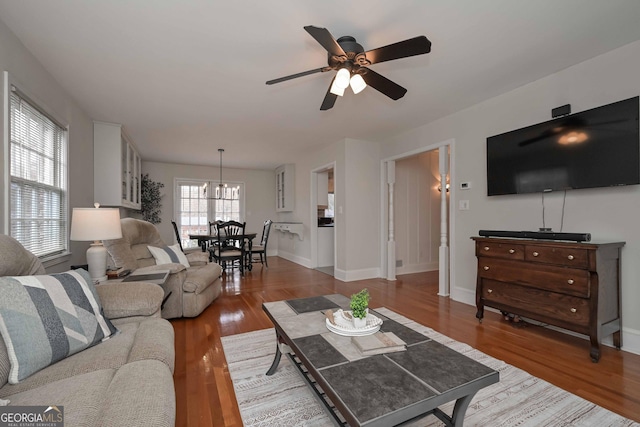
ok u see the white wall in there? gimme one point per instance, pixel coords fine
(417, 212)
(259, 197)
(357, 219)
(609, 214)
(32, 78)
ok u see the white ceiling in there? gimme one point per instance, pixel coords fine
(187, 77)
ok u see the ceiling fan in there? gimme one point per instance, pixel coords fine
(349, 59)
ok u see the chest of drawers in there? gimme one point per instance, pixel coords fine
(575, 286)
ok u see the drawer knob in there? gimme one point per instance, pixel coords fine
(486, 267)
(570, 281)
(573, 310)
(512, 251)
(536, 254)
(486, 248)
(570, 257)
(489, 291)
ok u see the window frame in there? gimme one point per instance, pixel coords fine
(211, 203)
(10, 86)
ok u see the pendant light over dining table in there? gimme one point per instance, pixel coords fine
(223, 191)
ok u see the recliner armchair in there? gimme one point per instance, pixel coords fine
(192, 289)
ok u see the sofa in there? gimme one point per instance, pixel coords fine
(190, 287)
(124, 380)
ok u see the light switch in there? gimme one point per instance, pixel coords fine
(463, 205)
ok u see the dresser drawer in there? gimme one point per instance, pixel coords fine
(532, 302)
(564, 280)
(569, 257)
(500, 250)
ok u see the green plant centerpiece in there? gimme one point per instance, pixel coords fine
(359, 306)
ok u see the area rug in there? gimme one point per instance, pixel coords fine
(519, 399)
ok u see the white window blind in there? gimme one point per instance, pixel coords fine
(38, 193)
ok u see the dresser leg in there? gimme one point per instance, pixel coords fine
(617, 339)
(480, 314)
(595, 351)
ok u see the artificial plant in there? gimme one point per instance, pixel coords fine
(150, 199)
(359, 304)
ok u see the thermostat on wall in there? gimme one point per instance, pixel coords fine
(465, 185)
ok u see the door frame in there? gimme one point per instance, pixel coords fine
(384, 212)
(313, 227)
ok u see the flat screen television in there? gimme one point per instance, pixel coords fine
(594, 148)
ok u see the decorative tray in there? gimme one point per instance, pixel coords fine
(343, 324)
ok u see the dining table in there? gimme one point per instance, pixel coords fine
(205, 240)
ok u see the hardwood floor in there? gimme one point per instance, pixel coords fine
(204, 391)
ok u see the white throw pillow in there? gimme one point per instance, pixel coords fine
(169, 254)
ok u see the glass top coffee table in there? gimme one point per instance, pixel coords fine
(381, 390)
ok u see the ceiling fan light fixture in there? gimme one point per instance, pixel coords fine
(357, 83)
(573, 138)
(342, 78)
(335, 89)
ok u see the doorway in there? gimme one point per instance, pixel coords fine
(416, 213)
(323, 219)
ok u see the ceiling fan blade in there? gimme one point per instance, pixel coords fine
(383, 84)
(294, 76)
(415, 46)
(329, 99)
(324, 37)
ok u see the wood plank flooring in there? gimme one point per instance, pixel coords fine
(204, 391)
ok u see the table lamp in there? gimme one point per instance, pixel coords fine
(95, 224)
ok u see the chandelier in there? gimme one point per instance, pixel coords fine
(222, 190)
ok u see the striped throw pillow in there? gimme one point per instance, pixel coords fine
(44, 319)
(169, 254)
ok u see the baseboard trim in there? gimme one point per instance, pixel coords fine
(416, 268)
(305, 262)
(352, 275)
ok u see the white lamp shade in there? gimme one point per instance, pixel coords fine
(357, 83)
(342, 78)
(335, 89)
(89, 224)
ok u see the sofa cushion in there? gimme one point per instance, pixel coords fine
(168, 254)
(44, 319)
(82, 397)
(150, 338)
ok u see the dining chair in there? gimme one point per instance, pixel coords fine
(179, 239)
(261, 249)
(229, 247)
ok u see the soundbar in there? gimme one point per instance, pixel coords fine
(544, 235)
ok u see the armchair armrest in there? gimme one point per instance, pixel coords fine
(198, 258)
(173, 268)
(131, 299)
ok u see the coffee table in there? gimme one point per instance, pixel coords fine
(381, 390)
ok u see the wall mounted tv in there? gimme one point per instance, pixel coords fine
(594, 148)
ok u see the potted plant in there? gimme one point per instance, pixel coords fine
(359, 308)
(150, 199)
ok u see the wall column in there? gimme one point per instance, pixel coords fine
(443, 260)
(391, 244)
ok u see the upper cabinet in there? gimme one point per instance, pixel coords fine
(285, 194)
(116, 166)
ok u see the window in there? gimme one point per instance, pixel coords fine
(38, 179)
(196, 207)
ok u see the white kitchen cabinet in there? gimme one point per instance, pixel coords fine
(116, 167)
(285, 191)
